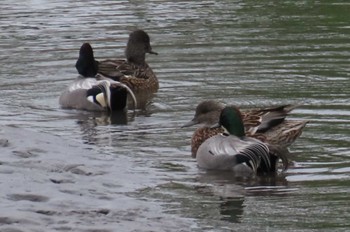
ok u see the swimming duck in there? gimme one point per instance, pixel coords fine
(232, 150)
(134, 71)
(91, 91)
(267, 124)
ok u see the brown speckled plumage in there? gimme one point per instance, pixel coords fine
(285, 133)
(138, 78)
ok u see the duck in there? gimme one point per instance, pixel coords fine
(134, 70)
(93, 92)
(233, 151)
(265, 124)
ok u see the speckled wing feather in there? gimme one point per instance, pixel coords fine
(115, 69)
(261, 120)
(285, 133)
(138, 78)
(143, 80)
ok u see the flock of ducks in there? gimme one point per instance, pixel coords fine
(249, 142)
(105, 85)
(246, 142)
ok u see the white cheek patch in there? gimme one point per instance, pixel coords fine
(101, 99)
(91, 99)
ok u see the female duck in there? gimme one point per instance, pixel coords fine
(134, 71)
(268, 125)
(234, 151)
(91, 92)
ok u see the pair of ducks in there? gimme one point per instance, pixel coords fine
(247, 142)
(106, 85)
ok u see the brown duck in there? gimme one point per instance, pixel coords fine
(134, 71)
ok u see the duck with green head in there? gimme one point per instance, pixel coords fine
(91, 91)
(266, 124)
(233, 151)
(134, 71)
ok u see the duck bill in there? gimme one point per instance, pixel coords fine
(190, 123)
(216, 125)
(152, 52)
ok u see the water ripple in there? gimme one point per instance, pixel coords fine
(244, 52)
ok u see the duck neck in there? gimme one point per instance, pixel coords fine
(235, 128)
(140, 61)
(231, 120)
(135, 55)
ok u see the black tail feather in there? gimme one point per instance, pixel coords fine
(255, 156)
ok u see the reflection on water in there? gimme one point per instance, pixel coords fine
(218, 198)
(232, 209)
(94, 119)
(88, 123)
(249, 53)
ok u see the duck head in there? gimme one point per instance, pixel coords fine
(137, 47)
(207, 112)
(86, 64)
(231, 120)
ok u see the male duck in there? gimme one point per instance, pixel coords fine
(268, 125)
(232, 150)
(91, 92)
(134, 71)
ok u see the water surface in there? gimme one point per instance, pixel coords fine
(67, 170)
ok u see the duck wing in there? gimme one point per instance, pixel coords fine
(262, 120)
(224, 152)
(285, 133)
(115, 69)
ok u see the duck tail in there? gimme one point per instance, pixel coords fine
(129, 91)
(104, 86)
(279, 153)
(254, 156)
